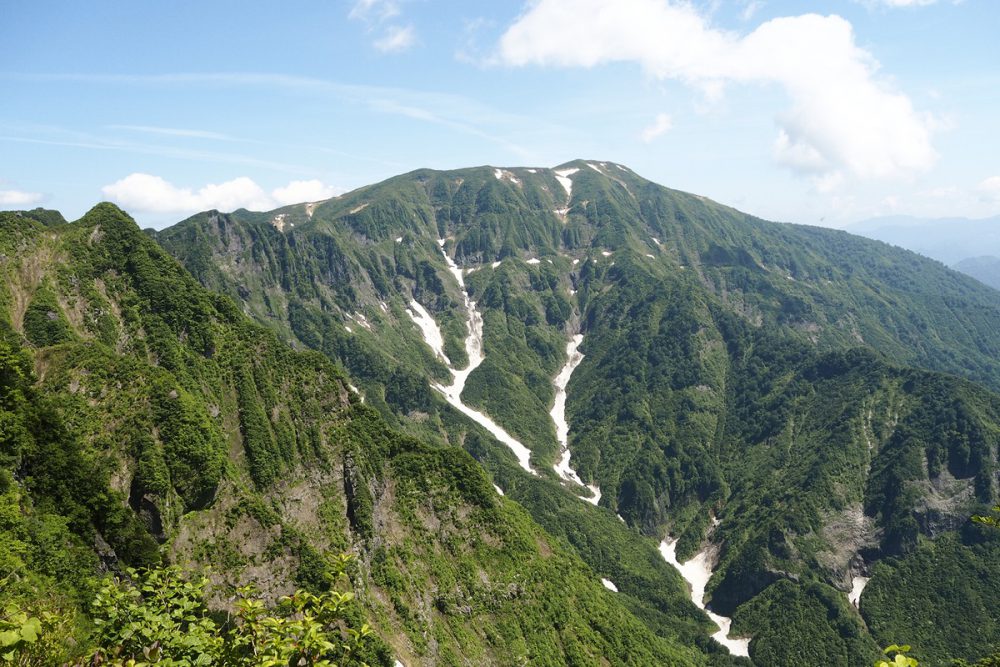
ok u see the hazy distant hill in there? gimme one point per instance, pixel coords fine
(985, 269)
(948, 240)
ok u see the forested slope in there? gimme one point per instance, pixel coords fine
(145, 419)
(795, 383)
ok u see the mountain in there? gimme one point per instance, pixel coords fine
(144, 418)
(948, 240)
(985, 269)
(801, 408)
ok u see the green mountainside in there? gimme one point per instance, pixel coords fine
(827, 399)
(145, 419)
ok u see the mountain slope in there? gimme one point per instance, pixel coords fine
(720, 379)
(145, 417)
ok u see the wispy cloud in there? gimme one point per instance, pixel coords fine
(457, 112)
(660, 125)
(79, 140)
(396, 38)
(174, 132)
(380, 10)
(381, 18)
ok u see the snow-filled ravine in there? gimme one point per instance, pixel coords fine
(857, 587)
(696, 573)
(474, 350)
(558, 414)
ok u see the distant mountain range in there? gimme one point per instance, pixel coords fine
(522, 396)
(969, 246)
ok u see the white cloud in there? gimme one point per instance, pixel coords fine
(661, 124)
(173, 132)
(297, 192)
(842, 120)
(902, 3)
(19, 198)
(395, 39)
(146, 193)
(368, 10)
(989, 189)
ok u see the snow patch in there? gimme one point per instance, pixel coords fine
(280, 221)
(499, 490)
(310, 208)
(495, 264)
(610, 585)
(474, 350)
(650, 256)
(595, 168)
(534, 260)
(857, 587)
(656, 240)
(399, 239)
(563, 176)
(348, 329)
(606, 253)
(696, 573)
(498, 173)
(362, 320)
(531, 171)
(575, 262)
(429, 329)
(358, 209)
(558, 411)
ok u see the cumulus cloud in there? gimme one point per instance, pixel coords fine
(989, 189)
(842, 119)
(660, 125)
(303, 191)
(19, 198)
(152, 194)
(396, 38)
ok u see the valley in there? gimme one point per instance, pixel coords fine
(544, 409)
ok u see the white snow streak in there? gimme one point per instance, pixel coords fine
(558, 414)
(474, 349)
(857, 586)
(499, 490)
(610, 585)
(534, 260)
(697, 572)
(429, 329)
(562, 175)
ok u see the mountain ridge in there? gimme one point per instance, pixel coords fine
(713, 341)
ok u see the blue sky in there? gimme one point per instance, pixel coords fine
(862, 108)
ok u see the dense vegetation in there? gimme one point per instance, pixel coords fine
(155, 423)
(765, 375)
